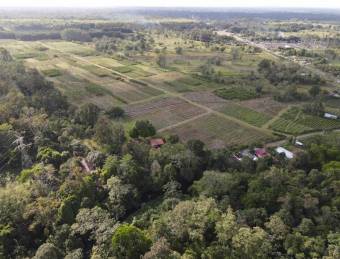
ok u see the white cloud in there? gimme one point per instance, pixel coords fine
(201, 3)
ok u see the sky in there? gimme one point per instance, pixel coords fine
(172, 3)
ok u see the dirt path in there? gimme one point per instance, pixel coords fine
(268, 123)
(207, 109)
(300, 137)
(182, 122)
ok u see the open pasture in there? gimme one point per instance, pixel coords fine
(163, 112)
(218, 132)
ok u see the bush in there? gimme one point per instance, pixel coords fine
(129, 242)
(142, 129)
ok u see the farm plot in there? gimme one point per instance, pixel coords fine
(25, 50)
(218, 132)
(264, 105)
(245, 114)
(236, 93)
(163, 112)
(229, 108)
(294, 121)
(80, 91)
(72, 48)
(121, 89)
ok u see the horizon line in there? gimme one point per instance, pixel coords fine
(171, 7)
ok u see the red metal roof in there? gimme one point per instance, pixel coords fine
(157, 142)
(261, 152)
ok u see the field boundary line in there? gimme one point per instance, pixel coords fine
(183, 122)
(277, 116)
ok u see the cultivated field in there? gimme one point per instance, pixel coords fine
(295, 121)
(163, 112)
(218, 132)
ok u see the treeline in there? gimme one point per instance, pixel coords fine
(83, 32)
(287, 73)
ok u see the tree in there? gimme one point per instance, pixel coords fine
(129, 242)
(75, 35)
(235, 54)
(251, 243)
(116, 112)
(160, 250)
(314, 90)
(226, 227)
(215, 185)
(95, 225)
(47, 251)
(5, 55)
(161, 61)
(179, 50)
(142, 129)
(48, 155)
(88, 114)
(110, 135)
(121, 198)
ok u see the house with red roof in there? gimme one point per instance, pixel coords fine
(261, 152)
(157, 142)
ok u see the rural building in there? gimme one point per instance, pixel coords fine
(330, 116)
(287, 153)
(299, 143)
(157, 142)
(335, 94)
(248, 153)
(261, 152)
(87, 167)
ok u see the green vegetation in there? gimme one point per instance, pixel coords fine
(51, 72)
(295, 121)
(97, 90)
(245, 114)
(239, 93)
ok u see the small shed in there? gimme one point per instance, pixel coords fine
(330, 116)
(299, 143)
(157, 142)
(288, 154)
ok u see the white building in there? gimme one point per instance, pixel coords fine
(330, 116)
(281, 150)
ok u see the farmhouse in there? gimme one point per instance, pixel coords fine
(287, 153)
(330, 116)
(157, 142)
